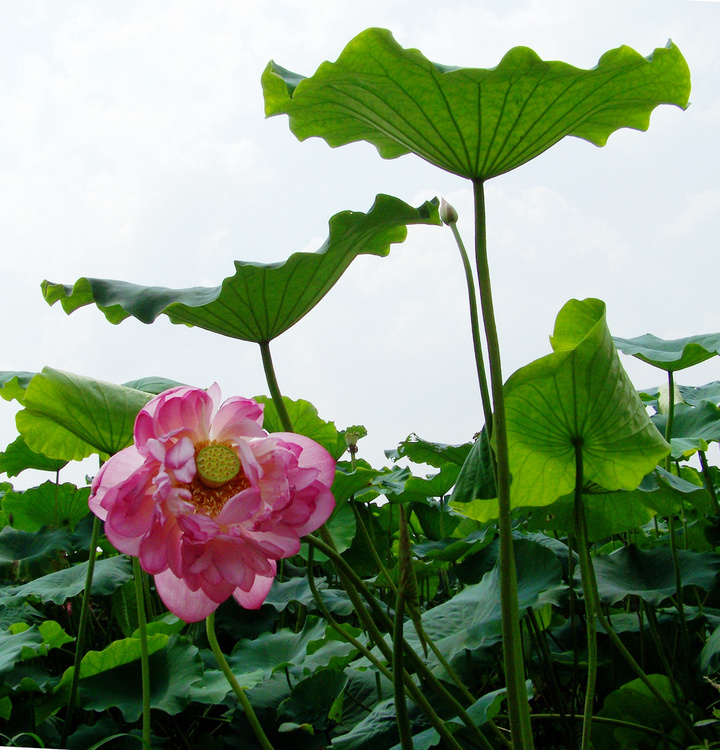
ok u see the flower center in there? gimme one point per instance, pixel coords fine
(217, 464)
(219, 477)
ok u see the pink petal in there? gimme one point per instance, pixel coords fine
(324, 506)
(112, 473)
(254, 598)
(313, 456)
(238, 417)
(239, 508)
(188, 605)
(181, 459)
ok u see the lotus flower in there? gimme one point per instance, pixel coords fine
(208, 500)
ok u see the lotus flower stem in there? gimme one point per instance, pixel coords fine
(144, 657)
(82, 628)
(401, 712)
(590, 618)
(673, 536)
(451, 221)
(234, 684)
(518, 708)
(272, 382)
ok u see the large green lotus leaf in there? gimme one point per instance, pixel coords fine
(315, 700)
(473, 122)
(377, 729)
(111, 679)
(579, 395)
(109, 574)
(650, 574)
(70, 417)
(260, 301)
(12, 646)
(690, 394)
(27, 555)
(14, 383)
(50, 504)
(17, 457)
(273, 651)
(673, 355)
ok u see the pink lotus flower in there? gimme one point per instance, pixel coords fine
(208, 501)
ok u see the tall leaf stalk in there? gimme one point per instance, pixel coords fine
(518, 708)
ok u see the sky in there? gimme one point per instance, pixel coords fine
(133, 146)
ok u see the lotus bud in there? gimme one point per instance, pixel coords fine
(447, 213)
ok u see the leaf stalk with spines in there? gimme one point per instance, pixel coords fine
(673, 537)
(590, 616)
(450, 218)
(234, 684)
(138, 575)
(82, 630)
(518, 708)
(272, 382)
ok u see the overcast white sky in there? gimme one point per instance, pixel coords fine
(133, 146)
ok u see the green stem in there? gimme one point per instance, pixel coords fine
(272, 382)
(401, 711)
(412, 690)
(549, 669)
(663, 651)
(353, 584)
(82, 627)
(518, 708)
(475, 325)
(671, 531)
(144, 657)
(590, 618)
(234, 684)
